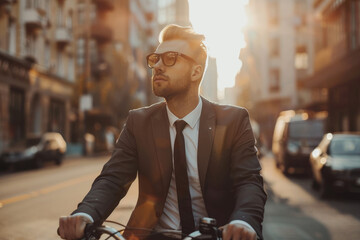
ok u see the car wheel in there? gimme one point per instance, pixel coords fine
(38, 162)
(314, 185)
(325, 190)
(58, 159)
(284, 168)
(277, 164)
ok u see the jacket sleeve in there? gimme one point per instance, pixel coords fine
(115, 178)
(250, 196)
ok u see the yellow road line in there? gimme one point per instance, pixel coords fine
(46, 190)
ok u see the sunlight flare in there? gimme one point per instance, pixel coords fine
(222, 23)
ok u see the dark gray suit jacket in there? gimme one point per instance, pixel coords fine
(228, 167)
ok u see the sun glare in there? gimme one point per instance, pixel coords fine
(222, 23)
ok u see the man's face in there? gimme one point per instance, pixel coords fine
(169, 81)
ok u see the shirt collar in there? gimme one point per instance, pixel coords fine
(191, 119)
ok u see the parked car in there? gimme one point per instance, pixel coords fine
(296, 134)
(335, 163)
(51, 146)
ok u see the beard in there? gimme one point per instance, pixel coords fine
(170, 88)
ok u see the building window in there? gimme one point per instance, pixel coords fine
(57, 116)
(71, 69)
(80, 54)
(60, 16)
(28, 4)
(274, 47)
(301, 58)
(60, 64)
(30, 44)
(358, 20)
(69, 23)
(81, 13)
(17, 115)
(12, 37)
(93, 51)
(273, 12)
(358, 112)
(354, 24)
(300, 10)
(47, 56)
(274, 80)
(93, 13)
(34, 3)
(48, 7)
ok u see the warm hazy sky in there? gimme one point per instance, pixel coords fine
(221, 21)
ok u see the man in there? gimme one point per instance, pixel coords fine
(213, 147)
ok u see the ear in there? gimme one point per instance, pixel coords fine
(196, 73)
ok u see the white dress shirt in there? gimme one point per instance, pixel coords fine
(170, 219)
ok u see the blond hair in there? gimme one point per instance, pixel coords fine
(195, 40)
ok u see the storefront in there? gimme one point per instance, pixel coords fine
(32, 102)
(14, 83)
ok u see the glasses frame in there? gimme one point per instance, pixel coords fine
(161, 55)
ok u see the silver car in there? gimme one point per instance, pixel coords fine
(51, 146)
(335, 163)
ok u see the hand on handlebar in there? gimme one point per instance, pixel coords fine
(237, 231)
(72, 227)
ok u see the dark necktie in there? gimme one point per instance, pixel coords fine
(182, 181)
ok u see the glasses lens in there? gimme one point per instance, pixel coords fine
(169, 58)
(152, 59)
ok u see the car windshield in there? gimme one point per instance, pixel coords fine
(345, 146)
(306, 129)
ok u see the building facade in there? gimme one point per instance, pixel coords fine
(143, 38)
(36, 69)
(77, 66)
(337, 61)
(278, 55)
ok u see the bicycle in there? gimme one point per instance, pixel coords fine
(207, 231)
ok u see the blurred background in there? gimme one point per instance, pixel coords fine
(70, 70)
(77, 67)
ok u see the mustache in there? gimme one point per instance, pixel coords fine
(160, 75)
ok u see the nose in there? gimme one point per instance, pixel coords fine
(159, 66)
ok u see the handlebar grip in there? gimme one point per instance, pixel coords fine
(89, 231)
(219, 233)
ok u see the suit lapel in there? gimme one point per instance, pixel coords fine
(160, 125)
(206, 137)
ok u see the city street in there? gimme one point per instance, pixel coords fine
(32, 200)
(294, 210)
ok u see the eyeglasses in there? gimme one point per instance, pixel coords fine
(168, 58)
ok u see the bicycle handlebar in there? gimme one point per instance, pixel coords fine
(207, 231)
(94, 233)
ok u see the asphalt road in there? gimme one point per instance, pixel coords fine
(31, 202)
(294, 210)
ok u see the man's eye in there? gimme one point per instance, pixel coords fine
(154, 58)
(170, 56)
